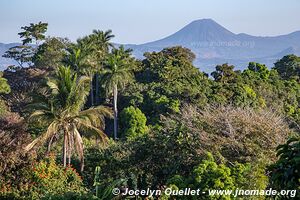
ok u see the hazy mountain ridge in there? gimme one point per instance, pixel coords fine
(213, 44)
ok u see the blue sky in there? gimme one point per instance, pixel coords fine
(139, 21)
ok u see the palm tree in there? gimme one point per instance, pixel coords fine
(116, 74)
(87, 55)
(100, 41)
(80, 58)
(63, 114)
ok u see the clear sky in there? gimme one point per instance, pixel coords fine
(139, 21)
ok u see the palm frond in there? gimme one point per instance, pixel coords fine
(95, 116)
(117, 70)
(87, 127)
(52, 129)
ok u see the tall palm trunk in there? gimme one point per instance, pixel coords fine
(91, 92)
(82, 164)
(65, 151)
(97, 89)
(69, 149)
(115, 90)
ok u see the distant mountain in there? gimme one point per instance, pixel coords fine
(214, 44)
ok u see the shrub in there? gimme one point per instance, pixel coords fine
(3, 108)
(133, 122)
(285, 173)
(70, 196)
(44, 178)
(4, 87)
(13, 136)
(209, 175)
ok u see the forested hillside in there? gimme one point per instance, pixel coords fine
(87, 118)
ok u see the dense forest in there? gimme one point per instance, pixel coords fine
(79, 119)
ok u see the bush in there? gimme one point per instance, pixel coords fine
(13, 137)
(3, 108)
(44, 178)
(133, 122)
(4, 87)
(285, 173)
(71, 196)
(209, 175)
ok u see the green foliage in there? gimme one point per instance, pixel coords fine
(285, 172)
(260, 69)
(48, 177)
(250, 92)
(51, 53)
(257, 87)
(225, 74)
(164, 81)
(87, 56)
(45, 178)
(165, 105)
(96, 180)
(3, 108)
(210, 175)
(288, 67)
(4, 87)
(33, 32)
(104, 190)
(70, 196)
(133, 123)
(116, 73)
(117, 69)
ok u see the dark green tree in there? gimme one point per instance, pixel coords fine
(24, 53)
(166, 80)
(261, 69)
(225, 73)
(34, 33)
(51, 53)
(285, 173)
(133, 122)
(288, 67)
(21, 54)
